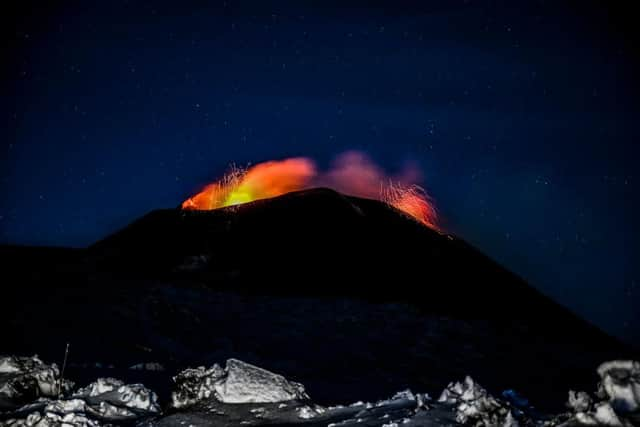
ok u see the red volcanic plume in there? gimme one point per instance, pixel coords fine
(352, 173)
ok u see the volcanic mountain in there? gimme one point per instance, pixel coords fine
(347, 295)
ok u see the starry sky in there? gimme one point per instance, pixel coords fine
(523, 117)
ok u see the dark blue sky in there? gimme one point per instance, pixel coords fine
(522, 115)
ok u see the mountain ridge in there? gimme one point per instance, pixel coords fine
(293, 282)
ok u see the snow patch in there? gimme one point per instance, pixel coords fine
(149, 366)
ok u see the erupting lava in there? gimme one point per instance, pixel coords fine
(262, 181)
(353, 174)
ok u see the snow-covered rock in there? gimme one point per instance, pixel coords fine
(620, 384)
(579, 401)
(137, 396)
(474, 405)
(245, 383)
(239, 382)
(243, 394)
(105, 393)
(195, 384)
(66, 406)
(602, 415)
(99, 387)
(619, 394)
(27, 378)
(308, 412)
(105, 400)
(50, 419)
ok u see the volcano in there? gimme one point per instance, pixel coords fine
(350, 296)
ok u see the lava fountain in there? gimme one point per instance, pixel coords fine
(352, 173)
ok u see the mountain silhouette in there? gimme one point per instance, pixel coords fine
(347, 295)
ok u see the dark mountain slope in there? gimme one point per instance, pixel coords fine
(319, 242)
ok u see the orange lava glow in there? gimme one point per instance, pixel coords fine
(262, 181)
(352, 173)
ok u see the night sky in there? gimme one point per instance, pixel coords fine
(522, 115)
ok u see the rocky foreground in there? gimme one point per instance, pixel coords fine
(33, 393)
